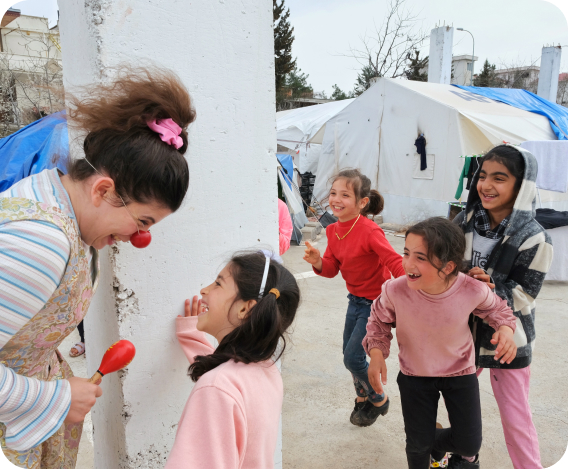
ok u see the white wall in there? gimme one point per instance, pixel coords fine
(440, 58)
(224, 53)
(549, 70)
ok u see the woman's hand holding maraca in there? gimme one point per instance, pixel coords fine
(312, 256)
(83, 398)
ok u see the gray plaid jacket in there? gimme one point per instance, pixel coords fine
(517, 266)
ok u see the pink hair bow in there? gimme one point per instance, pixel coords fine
(168, 130)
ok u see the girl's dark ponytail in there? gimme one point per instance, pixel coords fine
(256, 339)
(375, 205)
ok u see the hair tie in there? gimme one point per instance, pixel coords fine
(276, 292)
(168, 130)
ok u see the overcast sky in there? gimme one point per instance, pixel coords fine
(506, 31)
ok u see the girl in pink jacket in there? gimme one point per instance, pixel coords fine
(232, 414)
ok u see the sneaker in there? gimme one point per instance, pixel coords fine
(358, 406)
(369, 413)
(457, 462)
(441, 463)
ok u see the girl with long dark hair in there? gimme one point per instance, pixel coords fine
(232, 414)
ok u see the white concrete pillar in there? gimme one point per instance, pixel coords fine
(549, 71)
(224, 53)
(440, 58)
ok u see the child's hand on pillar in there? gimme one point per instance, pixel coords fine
(192, 307)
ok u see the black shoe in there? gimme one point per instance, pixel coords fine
(457, 462)
(358, 406)
(369, 413)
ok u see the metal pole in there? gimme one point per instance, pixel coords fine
(472, 54)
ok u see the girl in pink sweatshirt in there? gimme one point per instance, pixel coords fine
(231, 418)
(430, 308)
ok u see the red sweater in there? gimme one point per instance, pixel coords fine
(365, 257)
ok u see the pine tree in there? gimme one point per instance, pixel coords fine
(487, 77)
(283, 39)
(364, 79)
(338, 94)
(416, 65)
(296, 84)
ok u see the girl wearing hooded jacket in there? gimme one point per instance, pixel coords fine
(507, 248)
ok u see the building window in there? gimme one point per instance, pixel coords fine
(469, 66)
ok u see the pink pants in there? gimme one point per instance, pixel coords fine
(511, 390)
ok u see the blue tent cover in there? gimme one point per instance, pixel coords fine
(522, 99)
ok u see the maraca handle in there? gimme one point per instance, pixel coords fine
(98, 375)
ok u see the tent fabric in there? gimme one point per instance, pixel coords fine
(527, 101)
(33, 148)
(301, 130)
(286, 162)
(377, 131)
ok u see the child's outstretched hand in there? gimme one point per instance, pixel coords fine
(482, 276)
(377, 371)
(506, 348)
(192, 307)
(312, 256)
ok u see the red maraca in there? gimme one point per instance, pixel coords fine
(141, 239)
(118, 355)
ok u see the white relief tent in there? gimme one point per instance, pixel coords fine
(301, 131)
(376, 133)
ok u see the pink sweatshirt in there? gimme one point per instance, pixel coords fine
(231, 418)
(432, 331)
(285, 227)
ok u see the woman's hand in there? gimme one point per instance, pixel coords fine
(482, 276)
(312, 256)
(192, 307)
(506, 348)
(377, 371)
(83, 398)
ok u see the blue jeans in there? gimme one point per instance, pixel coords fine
(354, 356)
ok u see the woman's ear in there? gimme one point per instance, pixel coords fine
(245, 308)
(103, 188)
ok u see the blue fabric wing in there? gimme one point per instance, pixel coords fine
(44, 144)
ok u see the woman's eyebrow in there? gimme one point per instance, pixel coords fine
(220, 277)
(499, 173)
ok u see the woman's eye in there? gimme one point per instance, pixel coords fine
(144, 223)
(421, 259)
(217, 283)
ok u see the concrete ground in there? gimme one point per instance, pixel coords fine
(319, 394)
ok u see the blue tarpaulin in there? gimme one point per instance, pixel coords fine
(44, 144)
(288, 166)
(522, 99)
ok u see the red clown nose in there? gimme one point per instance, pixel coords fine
(141, 239)
(118, 355)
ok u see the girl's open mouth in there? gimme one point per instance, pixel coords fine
(413, 277)
(204, 309)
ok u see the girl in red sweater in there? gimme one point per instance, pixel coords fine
(357, 247)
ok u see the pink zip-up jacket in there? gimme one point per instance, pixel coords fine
(432, 330)
(231, 418)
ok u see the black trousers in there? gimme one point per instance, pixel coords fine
(419, 398)
(81, 330)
